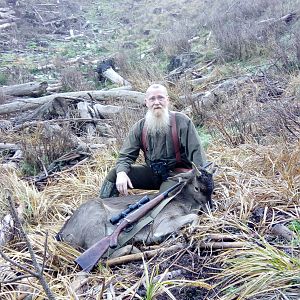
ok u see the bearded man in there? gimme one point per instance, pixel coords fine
(170, 144)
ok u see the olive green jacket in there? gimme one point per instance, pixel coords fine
(160, 147)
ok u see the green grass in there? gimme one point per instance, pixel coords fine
(3, 79)
(259, 270)
(205, 137)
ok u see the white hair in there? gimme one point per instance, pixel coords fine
(156, 86)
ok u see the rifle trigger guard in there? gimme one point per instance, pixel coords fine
(129, 228)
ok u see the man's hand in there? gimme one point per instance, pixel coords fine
(122, 182)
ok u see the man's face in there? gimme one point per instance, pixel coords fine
(157, 100)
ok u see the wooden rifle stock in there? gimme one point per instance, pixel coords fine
(88, 259)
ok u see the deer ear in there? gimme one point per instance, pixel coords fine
(183, 176)
(196, 169)
(211, 168)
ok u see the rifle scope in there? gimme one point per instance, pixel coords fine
(116, 218)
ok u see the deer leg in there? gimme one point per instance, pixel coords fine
(172, 224)
(129, 249)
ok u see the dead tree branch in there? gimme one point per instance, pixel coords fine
(38, 269)
(31, 103)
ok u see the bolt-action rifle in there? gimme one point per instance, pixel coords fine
(88, 259)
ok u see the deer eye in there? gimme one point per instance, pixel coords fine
(196, 189)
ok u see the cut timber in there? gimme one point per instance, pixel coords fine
(54, 87)
(56, 108)
(33, 89)
(106, 110)
(115, 77)
(60, 121)
(31, 103)
(7, 25)
(223, 245)
(139, 256)
(83, 109)
(7, 146)
(282, 231)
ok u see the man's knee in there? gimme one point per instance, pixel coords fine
(109, 188)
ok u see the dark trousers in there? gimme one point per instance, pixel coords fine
(141, 177)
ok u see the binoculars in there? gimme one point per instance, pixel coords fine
(160, 168)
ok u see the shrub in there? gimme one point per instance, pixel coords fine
(259, 113)
(140, 71)
(175, 40)
(74, 80)
(18, 75)
(245, 29)
(42, 146)
(3, 79)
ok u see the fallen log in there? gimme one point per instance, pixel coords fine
(54, 87)
(115, 77)
(105, 71)
(83, 109)
(8, 146)
(223, 245)
(8, 14)
(139, 256)
(31, 103)
(7, 20)
(107, 110)
(281, 230)
(13, 161)
(56, 108)
(69, 120)
(287, 19)
(7, 25)
(5, 9)
(32, 89)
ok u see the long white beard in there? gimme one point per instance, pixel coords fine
(157, 123)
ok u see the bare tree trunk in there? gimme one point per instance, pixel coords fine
(31, 103)
(115, 77)
(83, 108)
(32, 89)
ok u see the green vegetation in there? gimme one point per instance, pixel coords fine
(294, 225)
(3, 79)
(205, 137)
(259, 270)
(242, 92)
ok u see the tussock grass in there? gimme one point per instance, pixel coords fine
(260, 270)
(248, 177)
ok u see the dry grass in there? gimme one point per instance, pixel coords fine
(175, 40)
(260, 270)
(240, 34)
(74, 80)
(249, 177)
(139, 71)
(256, 109)
(256, 148)
(42, 145)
